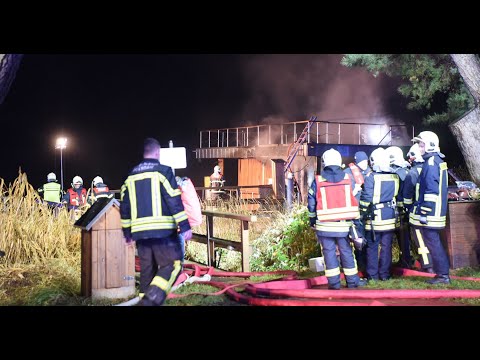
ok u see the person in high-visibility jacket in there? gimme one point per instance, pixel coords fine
(51, 191)
(399, 166)
(377, 206)
(331, 209)
(152, 213)
(98, 191)
(429, 213)
(357, 171)
(410, 195)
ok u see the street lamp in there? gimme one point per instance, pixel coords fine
(61, 144)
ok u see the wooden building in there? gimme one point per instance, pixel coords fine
(261, 151)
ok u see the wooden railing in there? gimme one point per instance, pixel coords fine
(243, 246)
(240, 192)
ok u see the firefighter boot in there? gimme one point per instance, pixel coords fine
(361, 282)
(335, 286)
(154, 296)
(439, 279)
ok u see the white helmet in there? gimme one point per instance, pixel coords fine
(51, 177)
(379, 160)
(395, 155)
(430, 139)
(414, 153)
(97, 180)
(217, 169)
(77, 180)
(332, 157)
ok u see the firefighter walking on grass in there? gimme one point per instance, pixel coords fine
(332, 207)
(151, 212)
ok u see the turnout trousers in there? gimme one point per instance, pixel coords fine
(161, 262)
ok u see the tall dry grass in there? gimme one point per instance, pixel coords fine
(30, 233)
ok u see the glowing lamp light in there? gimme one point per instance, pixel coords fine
(61, 143)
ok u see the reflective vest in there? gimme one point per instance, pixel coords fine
(75, 200)
(357, 174)
(335, 201)
(51, 192)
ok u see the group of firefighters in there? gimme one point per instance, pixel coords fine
(365, 207)
(76, 196)
(360, 205)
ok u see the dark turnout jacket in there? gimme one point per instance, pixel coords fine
(150, 203)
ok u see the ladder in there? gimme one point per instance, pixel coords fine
(296, 146)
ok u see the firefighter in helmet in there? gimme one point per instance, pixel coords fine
(331, 209)
(217, 180)
(409, 197)
(428, 215)
(357, 171)
(377, 208)
(76, 196)
(98, 190)
(51, 191)
(399, 166)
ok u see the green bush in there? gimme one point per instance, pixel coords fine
(287, 244)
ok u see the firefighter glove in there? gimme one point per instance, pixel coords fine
(423, 220)
(359, 243)
(312, 222)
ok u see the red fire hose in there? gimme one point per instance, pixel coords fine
(289, 286)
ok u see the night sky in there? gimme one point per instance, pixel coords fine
(107, 104)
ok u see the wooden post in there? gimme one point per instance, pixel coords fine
(245, 246)
(210, 243)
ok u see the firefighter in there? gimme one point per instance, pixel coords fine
(399, 166)
(51, 191)
(99, 190)
(332, 207)
(357, 172)
(377, 207)
(151, 212)
(409, 196)
(76, 196)
(429, 212)
(216, 180)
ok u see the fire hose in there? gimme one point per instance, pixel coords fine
(289, 286)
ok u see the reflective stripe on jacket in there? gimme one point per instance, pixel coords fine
(432, 193)
(151, 205)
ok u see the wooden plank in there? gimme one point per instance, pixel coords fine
(113, 221)
(114, 259)
(245, 246)
(86, 264)
(101, 259)
(100, 224)
(210, 242)
(129, 265)
(95, 259)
